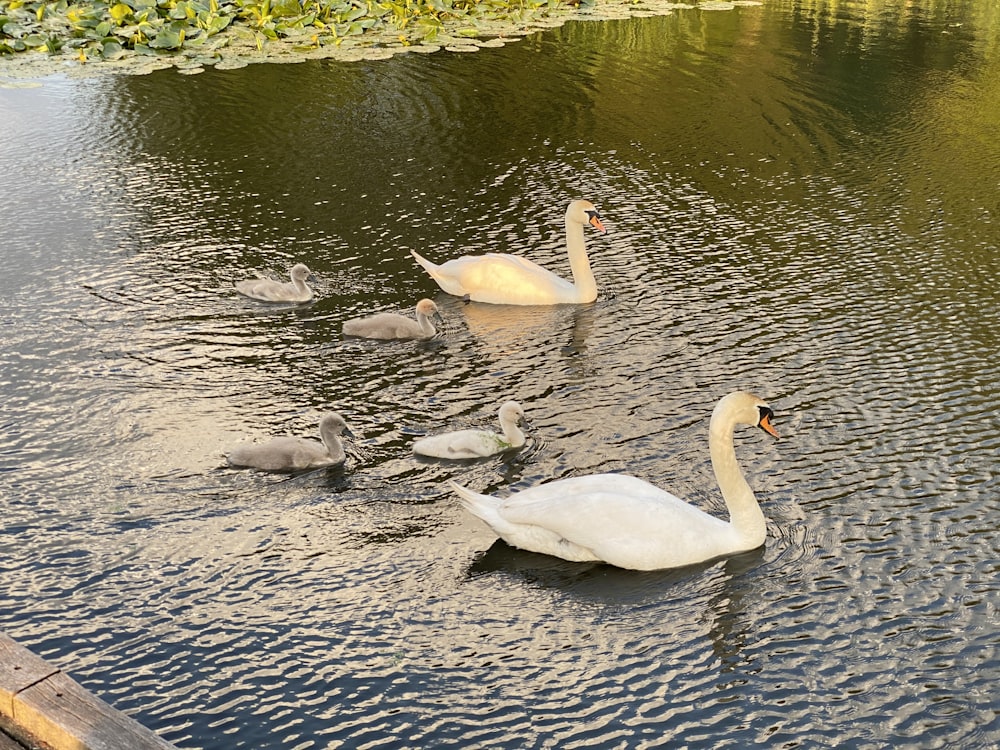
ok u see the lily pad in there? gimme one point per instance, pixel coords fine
(285, 8)
(169, 38)
(143, 34)
(112, 51)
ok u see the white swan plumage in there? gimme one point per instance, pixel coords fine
(287, 454)
(476, 443)
(388, 325)
(629, 523)
(503, 279)
(269, 290)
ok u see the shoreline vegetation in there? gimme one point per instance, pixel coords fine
(94, 37)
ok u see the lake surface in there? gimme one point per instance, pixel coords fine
(801, 201)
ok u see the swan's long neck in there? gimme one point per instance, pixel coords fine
(511, 432)
(579, 263)
(745, 514)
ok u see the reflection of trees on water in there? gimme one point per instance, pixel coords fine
(370, 159)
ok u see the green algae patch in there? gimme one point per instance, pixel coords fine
(93, 37)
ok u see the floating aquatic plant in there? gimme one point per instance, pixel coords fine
(108, 30)
(143, 35)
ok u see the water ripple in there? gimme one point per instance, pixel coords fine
(772, 226)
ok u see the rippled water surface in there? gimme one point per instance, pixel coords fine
(801, 201)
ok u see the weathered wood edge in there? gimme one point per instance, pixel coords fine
(42, 706)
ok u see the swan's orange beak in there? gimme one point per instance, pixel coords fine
(595, 222)
(766, 426)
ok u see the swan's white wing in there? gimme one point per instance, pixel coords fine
(496, 277)
(623, 520)
(516, 261)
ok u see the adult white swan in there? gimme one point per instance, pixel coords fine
(476, 443)
(294, 453)
(388, 325)
(269, 290)
(627, 522)
(512, 280)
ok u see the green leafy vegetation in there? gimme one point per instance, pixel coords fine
(96, 30)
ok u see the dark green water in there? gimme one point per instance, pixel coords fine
(801, 201)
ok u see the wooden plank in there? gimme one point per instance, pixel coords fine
(41, 705)
(19, 668)
(9, 743)
(61, 713)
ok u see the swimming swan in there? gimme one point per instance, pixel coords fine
(512, 280)
(294, 453)
(624, 521)
(476, 443)
(269, 290)
(394, 326)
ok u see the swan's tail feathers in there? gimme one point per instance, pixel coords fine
(428, 266)
(484, 507)
(468, 498)
(446, 276)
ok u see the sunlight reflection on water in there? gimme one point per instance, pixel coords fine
(759, 238)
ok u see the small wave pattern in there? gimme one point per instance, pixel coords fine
(361, 606)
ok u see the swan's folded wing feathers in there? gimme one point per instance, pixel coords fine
(624, 520)
(517, 261)
(584, 505)
(508, 274)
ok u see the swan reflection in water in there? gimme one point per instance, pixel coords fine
(722, 588)
(502, 330)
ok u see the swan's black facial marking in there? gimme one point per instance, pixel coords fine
(764, 420)
(594, 219)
